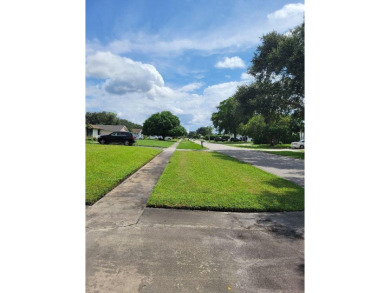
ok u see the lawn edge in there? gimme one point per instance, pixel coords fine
(218, 209)
(123, 179)
(273, 153)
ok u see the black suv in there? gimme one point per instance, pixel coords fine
(127, 138)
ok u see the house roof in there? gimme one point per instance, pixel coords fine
(110, 127)
(135, 130)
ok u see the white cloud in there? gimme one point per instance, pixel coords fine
(288, 17)
(191, 87)
(288, 11)
(247, 77)
(140, 92)
(234, 62)
(224, 39)
(122, 75)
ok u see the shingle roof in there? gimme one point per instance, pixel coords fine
(110, 127)
(135, 130)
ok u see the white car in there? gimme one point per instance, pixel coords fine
(298, 145)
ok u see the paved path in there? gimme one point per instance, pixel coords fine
(130, 248)
(286, 167)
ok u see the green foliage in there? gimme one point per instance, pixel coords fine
(201, 131)
(272, 108)
(279, 64)
(271, 133)
(193, 134)
(227, 118)
(178, 131)
(213, 181)
(108, 118)
(162, 124)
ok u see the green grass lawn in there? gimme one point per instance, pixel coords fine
(213, 181)
(189, 145)
(298, 155)
(154, 143)
(107, 165)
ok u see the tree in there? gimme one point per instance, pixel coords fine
(105, 118)
(178, 131)
(209, 131)
(193, 134)
(227, 118)
(279, 67)
(271, 133)
(161, 124)
(201, 131)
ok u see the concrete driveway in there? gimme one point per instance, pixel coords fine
(130, 248)
(286, 167)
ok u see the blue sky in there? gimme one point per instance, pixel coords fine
(144, 57)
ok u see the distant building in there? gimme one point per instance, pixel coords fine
(137, 133)
(96, 130)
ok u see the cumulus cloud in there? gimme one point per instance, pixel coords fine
(288, 17)
(288, 11)
(234, 62)
(135, 91)
(122, 75)
(191, 87)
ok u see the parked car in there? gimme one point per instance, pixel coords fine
(168, 138)
(298, 144)
(127, 138)
(219, 139)
(234, 139)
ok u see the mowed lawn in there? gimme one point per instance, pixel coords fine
(107, 165)
(189, 145)
(154, 143)
(213, 181)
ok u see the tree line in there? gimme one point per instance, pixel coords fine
(109, 118)
(271, 109)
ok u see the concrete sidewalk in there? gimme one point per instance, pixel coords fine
(285, 167)
(198, 251)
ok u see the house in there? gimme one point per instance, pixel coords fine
(137, 133)
(96, 130)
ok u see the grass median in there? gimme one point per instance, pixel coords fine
(213, 181)
(189, 145)
(107, 165)
(154, 143)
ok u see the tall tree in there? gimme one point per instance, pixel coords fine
(201, 131)
(160, 124)
(279, 65)
(227, 119)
